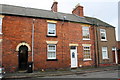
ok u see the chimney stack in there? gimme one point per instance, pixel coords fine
(54, 7)
(78, 10)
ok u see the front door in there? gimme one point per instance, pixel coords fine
(73, 53)
(114, 58)
(23, 57)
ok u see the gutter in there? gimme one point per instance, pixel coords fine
(23, 15)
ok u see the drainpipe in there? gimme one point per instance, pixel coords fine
(33, 42)
(95, 55)
(97, 39)
(64, 17)
(116, 56)
(96, 44)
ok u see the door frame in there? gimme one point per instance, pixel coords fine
(24, 55)
(23, 43)
(76, 54)
(115, 55)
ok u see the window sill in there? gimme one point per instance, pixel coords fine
(87, 59)
(106, 59)
(52, 60)
(50, 36)
(103, 40)
(86, 39)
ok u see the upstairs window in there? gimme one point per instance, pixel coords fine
(51, 29)
(103, 34)
(0, 25)
(51, 51)
(86, 34)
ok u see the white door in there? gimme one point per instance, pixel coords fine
(73, 52)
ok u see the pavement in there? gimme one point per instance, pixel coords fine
(20, 75)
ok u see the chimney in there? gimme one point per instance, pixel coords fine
(54, 6)
(78, 10)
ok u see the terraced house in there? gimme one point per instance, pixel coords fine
(50, 39)
(105, 43)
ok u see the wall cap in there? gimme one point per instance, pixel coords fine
(51, 42)
(73, 44)
(51, 21)
(86, 45)
(1, 16)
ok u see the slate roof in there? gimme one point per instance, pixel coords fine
(47, 14)
(31, 12)
(97, 22)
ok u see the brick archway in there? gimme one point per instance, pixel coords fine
(23, 44)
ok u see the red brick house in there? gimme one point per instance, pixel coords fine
(49, 39)
(105, 42)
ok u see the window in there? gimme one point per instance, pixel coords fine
(0, 25)
(104, 53)
(87, 55)
(86, 34)
(113, 48)
(51, 51)
(103, 34)
(51, 29)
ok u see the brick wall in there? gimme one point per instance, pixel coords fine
(118, 44)
(110, 43)
(18, 29)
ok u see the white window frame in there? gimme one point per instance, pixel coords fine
(51, 51)
(86, 29)
(104, 32)
(49, 29)
(105, 50)
(0, 25)
(85, 59)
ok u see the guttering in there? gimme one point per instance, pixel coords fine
(66, 20)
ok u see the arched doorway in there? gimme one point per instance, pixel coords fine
(23, 57)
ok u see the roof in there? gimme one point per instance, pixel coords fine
(39, 13)
(97, 22)
(47, 14)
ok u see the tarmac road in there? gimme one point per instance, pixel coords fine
(105, 75)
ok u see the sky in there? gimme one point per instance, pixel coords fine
(106, 10)
(119, 21)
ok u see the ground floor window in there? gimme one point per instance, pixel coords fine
(104, 53)
(51, 54)
(87, 52)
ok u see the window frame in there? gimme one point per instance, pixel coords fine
(51, 51)
(101, 31)
(86, 30)
(103, 57)
(48, 28)
(1, 20)
(85, 59)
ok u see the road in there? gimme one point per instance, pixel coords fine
(103, 74)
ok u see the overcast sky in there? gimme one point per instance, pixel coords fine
(106, 10)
